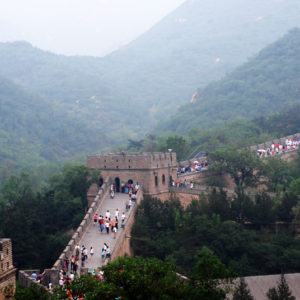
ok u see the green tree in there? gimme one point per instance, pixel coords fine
(241, 291)
(282, 292)
(210, 277)
(35, 292)
(264, 209)
(243, 166)
(179, 145)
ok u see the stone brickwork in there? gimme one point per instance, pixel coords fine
(123, 243)
(7, 270)
(153, 171)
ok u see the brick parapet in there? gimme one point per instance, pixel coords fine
(7, 270)
(122, 246)
(268, 144)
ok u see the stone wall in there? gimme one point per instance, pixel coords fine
(268, 144)
(153, 171)
(7, 270)
(88, 218)
(123, 242)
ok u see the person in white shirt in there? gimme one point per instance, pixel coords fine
(91, 251)
(72, 276)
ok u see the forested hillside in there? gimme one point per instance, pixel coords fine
(268, 83)
(126, 92)
(34, 130)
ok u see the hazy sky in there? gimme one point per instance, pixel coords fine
(88, 27)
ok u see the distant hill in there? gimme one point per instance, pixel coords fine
(96, 103)
(151, 77)
(34, 130)
(268, 83)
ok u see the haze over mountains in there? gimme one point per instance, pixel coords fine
(267, 84)
(124, 94)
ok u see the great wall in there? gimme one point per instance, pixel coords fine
(154, 172)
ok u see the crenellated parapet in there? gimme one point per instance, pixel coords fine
(152, 170)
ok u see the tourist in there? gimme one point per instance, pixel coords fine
(82, 259)
(91, 252)
(117, 223)
(61, 282)
(72, 262)
(133, 197)
(95, 219)
(112, 224)
(115, 232)
(103, 254)
(71, 276)
(127, 205)
(50, 285)
(108, 253)
(107, 214)
(105, 246)
(192, 185)
(34, 275)
(101, 226)
(77, 249)
(123, 217)
(117, 213)
(85, 253)
(75, 266)
(107, 226)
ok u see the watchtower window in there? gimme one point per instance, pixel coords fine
(104, 167)
(116, 160)
(128, 167)
(128, 160)
(163, 179)
(117, 167)
(156, 181)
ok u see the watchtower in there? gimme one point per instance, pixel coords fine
(153, 171)
(7, 270)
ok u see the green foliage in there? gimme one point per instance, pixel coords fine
(147, 278)
(241, 165)
(91, 103)
(277, 172)
(37, 219)
(282, 292)
(166, 231)
(264, 85)
(36, 131)
(241, 291)
(210, 274)
(35, 292)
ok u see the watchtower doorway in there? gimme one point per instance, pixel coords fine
(117, 184)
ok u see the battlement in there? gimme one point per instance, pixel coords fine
(153, 170)
(142, 160)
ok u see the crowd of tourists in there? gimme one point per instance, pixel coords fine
(196, 166)
(183, 184)
(276, 148)
(109, 223)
